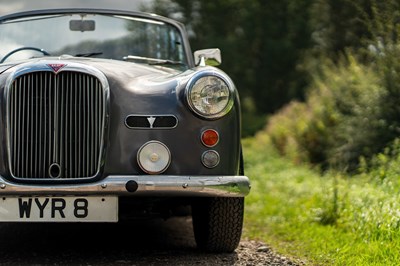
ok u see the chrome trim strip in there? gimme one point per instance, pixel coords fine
(148, 185)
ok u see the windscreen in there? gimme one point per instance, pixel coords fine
(91, 35)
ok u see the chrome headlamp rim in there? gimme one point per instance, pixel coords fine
(211, 73)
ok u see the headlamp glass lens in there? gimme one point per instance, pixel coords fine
(209, 95)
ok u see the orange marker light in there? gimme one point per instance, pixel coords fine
(210, 137)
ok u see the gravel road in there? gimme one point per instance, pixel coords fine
(135, 243)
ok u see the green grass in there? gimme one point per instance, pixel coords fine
(329, 219)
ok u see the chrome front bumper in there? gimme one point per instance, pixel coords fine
(149, 185)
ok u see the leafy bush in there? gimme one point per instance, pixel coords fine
(284, 129)
(355, 94)
(340, 120)
(352, 108)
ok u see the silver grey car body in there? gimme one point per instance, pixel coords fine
(127, 118)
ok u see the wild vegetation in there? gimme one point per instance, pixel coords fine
(351, 108)
(329, 219)
(320, 84)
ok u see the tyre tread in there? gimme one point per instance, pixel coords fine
(218, 223)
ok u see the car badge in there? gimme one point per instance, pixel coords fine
(151, 121)
(56, 67)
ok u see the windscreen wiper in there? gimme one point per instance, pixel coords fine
(89, 54)
(168, 62)
(152, 61)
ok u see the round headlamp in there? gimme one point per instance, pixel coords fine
(210, 95)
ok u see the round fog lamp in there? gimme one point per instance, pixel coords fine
(154, 157)
(210, 159)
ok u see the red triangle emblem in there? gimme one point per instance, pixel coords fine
(56, 67)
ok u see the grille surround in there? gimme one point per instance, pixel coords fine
(56, 117)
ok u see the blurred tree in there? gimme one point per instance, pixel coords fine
(278, 33)
(339, 24)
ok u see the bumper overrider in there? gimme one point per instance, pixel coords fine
(136, 185)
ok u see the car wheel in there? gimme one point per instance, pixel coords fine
(217, 223)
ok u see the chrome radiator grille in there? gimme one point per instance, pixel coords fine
(55, 125)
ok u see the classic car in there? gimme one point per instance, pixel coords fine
(108, 114)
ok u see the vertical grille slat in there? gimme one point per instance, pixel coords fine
(36, 116)
(77, 127)
(55, 119)
(45, 95)
(31, 122)
(71, 128)
(61, 133)
(40, 88)
(91, 159)
(49, 129)
(81, 131)
(24, 137)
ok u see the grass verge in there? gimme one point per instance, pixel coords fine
(329, 219)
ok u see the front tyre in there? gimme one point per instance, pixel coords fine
(217, 223)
